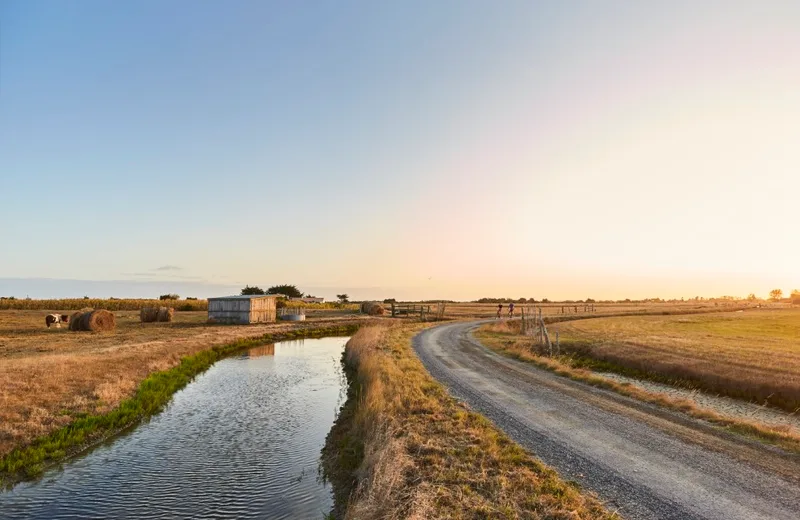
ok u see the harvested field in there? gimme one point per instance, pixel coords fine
(49, 377)
(752, 355)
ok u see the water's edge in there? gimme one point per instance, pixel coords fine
(343, 450)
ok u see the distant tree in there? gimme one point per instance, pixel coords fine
(255, 290)
(589, 300)
(191, 298)
(343, 298)
(289, 290)
(169, 297)
(389, 300)
(545, 300)
(775, 295)
(751, 297)
(796, 297)
(85, 297)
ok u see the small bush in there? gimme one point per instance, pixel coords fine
(169, 297)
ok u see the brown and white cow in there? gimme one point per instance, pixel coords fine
(56, 319)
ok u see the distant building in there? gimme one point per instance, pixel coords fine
(307, 299)
(243, 309)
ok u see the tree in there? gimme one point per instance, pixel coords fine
(795, 293)
(288, 290)
(775, 294)
(751, 297)
(343, 298)
(388, 300)
(168, 297)
(252, 290)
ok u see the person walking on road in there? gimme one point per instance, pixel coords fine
(511, 310)
(499, 310)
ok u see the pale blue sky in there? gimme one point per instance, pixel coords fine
(423, 149)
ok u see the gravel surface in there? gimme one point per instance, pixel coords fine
(643, 461)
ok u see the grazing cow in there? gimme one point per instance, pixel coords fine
(56, 319)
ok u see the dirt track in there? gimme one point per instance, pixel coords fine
(643, 461)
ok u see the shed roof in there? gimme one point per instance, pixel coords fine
(244, 297)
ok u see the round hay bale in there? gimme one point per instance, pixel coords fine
(93, 321)
(74, 319)
(148, 314)
(151, 314)
(165, 313)
(373, 308)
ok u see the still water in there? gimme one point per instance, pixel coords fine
(241, 441)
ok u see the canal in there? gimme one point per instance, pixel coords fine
(241, 441)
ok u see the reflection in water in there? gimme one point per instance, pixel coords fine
(241, 441)
(264, 350)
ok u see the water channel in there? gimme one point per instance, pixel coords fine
(241, 441)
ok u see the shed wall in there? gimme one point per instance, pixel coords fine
(242, 310)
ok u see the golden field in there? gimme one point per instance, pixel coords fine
(752, 355)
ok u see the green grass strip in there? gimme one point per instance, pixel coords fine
(154, 392)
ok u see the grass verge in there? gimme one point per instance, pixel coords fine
(504, 340)
(151, 396)
(402, 447)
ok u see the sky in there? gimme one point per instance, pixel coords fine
(453, 149)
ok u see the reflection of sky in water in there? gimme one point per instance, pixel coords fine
(243, 440)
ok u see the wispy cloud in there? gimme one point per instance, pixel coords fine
(168, 268)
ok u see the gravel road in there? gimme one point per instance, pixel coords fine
(643, 461)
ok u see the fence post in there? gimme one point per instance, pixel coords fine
(558, 344)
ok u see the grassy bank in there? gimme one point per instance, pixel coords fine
(403, 448)
(504, 338)
(150, 397)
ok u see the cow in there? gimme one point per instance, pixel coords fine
(56, 319)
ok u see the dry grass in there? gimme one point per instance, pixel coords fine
(752, 355)
(49, 377)
(412, 451)
(504, 338)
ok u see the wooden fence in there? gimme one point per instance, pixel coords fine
(533, 325)
(424, 310)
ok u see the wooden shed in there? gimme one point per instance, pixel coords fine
(242, 309)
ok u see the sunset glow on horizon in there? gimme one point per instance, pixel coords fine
(452, 150)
